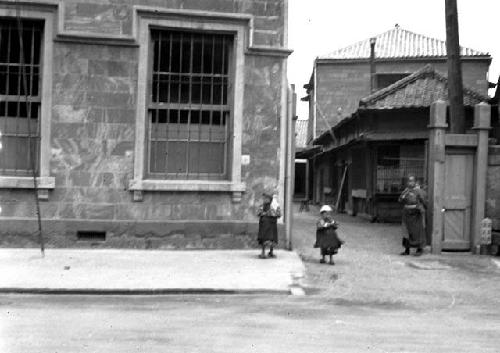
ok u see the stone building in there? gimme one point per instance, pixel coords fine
(148, 123)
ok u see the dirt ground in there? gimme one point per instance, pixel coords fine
(369, 270)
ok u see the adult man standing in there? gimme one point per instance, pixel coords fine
(414, 205)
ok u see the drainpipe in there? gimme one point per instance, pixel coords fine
(372, 64)
(315, 85)
(290, 163)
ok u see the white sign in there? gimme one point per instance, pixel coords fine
(245, 159)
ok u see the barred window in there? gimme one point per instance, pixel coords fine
(189, 110)
(20, 99)
(395, 164)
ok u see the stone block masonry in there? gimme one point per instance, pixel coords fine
(116, 17)
(93, 134)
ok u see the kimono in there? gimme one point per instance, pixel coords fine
(326, 237)
(413, 200)
(268, 225)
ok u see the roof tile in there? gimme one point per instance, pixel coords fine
(398, 43)
(301, 133)
(420, 89)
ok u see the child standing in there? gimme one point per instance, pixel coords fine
(268, 214)
(326, 235)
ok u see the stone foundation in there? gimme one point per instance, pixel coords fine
(135, 235)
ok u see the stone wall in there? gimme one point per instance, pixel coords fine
(493, 187)
(93, 135)
(115, 16)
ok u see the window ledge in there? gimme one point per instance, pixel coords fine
(186, 185)
(13, 182)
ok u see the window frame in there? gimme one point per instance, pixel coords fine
(21, 99)
(189, 106)
(141, 182)
(44, 180)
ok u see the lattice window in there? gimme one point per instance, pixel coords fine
(393, 169)
(189, 110)
(20, 99)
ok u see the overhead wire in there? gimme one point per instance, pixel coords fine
(32, 151)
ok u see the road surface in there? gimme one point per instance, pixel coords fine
(50, 324)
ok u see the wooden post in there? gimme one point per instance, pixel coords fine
(455, 89)
(482, 119)
(437, 170)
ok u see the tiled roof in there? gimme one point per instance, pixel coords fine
(420, 89)
(301, 133)
(398, 43)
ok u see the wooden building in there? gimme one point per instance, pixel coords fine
(342, 77)
(367, 156)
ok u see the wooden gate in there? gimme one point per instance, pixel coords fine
(457, 180)
(457, 201)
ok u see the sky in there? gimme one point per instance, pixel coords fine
(317, 27)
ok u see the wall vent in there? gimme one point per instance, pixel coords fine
(90, 235)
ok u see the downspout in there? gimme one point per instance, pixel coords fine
(314, 99)
(286, 117)
(289, 179)
(373, 40)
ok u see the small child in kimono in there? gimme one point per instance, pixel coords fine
(268, 214)
(326, 235)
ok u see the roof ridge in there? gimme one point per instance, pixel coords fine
(426, 71)
(399, 42)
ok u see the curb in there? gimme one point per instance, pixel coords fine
(154, 291)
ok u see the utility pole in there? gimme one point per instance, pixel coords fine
(455, 88)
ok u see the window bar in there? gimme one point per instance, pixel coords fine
(201, 78)
(152, 115)
(222, 113)
(4, 113)
(157, 99)
(167, 123)
(19, 95)
(212, 91)
(149, 111)
(190, 115)
(179, 84)
(28, 107)
(7, 89)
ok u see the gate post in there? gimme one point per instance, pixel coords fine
(436, 173)
(482, 120)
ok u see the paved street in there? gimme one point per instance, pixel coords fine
(278, 324)
(371, 301)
